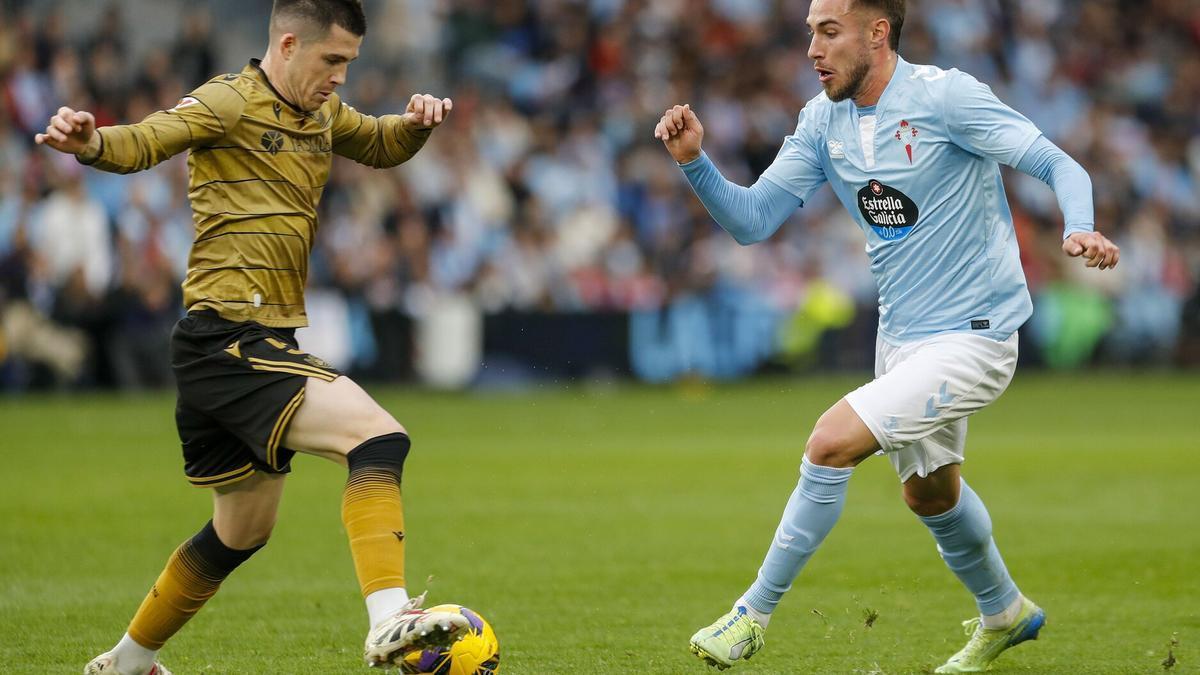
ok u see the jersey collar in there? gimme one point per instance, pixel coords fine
(901, 72)
(256, 67)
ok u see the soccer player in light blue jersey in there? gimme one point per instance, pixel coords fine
(913, 152)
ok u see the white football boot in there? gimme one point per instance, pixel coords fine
(411, 628)
(106, 664)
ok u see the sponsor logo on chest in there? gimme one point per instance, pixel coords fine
(273, 142)
(888, 211)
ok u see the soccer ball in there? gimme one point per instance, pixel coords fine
(477, 653)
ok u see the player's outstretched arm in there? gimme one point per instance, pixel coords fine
(748, 214)
(1073, 189)
(72, 132)
(199, 119)
(384, 142)
(1095, 249)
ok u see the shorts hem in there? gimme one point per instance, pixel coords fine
(914, 469)
(227, 478)
(872, 424)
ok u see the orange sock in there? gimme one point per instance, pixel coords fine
(192, 575)
(372, 512)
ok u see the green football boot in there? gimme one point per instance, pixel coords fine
(731, 637)
(986, 644)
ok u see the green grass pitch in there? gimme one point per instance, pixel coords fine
(597, 528)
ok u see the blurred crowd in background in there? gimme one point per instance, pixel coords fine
(546, 193)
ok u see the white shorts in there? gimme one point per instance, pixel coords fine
(918, 403)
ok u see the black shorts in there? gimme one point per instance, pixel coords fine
(239, 386)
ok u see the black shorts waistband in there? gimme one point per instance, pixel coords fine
(210, 318)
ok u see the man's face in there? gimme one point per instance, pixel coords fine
(839, 47)
(317, 66)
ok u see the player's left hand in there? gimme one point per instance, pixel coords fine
(1095, 248)
(426, 112)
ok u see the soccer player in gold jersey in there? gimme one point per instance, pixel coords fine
(260, 146)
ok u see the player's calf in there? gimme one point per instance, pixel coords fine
(372, 512)
(192, 576)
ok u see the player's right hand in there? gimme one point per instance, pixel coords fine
(1095, 248)
(680, 130)
(69, 131)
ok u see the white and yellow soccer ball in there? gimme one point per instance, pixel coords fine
(477, 653)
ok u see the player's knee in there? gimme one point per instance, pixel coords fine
(255, 537)
(926, 504)
(825, 447)
(377, 423)
(383, 423)
(248, 534)
(245, 537)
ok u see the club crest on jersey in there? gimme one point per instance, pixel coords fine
(907, 135)
(272, 141)
(889, 212)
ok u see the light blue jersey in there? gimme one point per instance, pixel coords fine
(920, 174)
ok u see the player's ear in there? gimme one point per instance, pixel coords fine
(288, 44)
(881, 30)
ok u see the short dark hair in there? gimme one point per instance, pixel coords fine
(893, 11)
(323, 14)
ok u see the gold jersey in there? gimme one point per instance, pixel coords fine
(256, 172)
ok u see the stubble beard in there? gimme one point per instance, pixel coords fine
(854, 81)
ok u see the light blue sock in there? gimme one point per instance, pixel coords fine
(810, 514)
(964, 538)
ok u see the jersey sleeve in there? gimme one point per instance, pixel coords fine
(380, 142)
(980, 123)
(750, 214)
(1071, 184)
(797, 168)
(201, 118)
